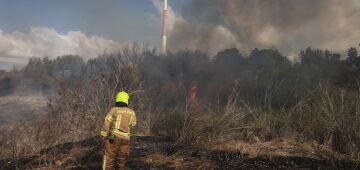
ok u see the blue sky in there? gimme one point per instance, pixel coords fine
(38, 28)
(120, 20)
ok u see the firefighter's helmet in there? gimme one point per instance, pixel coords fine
(122, 97)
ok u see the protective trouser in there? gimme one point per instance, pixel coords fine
(117, 151)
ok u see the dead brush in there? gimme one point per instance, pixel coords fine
(330, 115)
(231, 122)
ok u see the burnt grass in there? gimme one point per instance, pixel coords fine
(88, 155)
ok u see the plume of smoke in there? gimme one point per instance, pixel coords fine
(211, 25)
(43, 41)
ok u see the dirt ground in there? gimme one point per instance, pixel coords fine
(152, 152)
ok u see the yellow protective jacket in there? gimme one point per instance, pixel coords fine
(118, 121)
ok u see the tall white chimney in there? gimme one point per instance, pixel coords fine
(164, 27)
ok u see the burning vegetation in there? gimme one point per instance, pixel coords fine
(193, 92)
(197, 101)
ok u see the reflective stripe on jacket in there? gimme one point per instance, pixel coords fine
(118, 121)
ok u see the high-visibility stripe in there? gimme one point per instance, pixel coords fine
(103, 133)
(120, 134)
(104, 162)
(109, 118)
(118, 121)
(131, 118)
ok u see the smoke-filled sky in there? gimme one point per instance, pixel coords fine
(92, 27)
(290, 25)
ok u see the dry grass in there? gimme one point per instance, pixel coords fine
(328, 117)
(277, 147)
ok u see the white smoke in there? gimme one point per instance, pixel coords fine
(43, 41)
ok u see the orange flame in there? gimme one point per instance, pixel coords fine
(193, 92)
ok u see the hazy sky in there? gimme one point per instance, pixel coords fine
(120, 20)
(28, 24)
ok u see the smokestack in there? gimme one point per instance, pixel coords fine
(163, 49)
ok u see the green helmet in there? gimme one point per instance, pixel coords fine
(122, 97)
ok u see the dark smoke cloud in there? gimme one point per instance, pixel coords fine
(290, 25)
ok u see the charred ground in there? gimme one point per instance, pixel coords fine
(153, 152)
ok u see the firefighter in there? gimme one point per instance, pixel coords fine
(116, 132)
